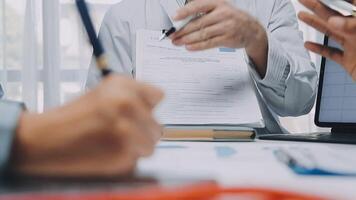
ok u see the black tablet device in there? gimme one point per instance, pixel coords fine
(335, 107)
(336, 102)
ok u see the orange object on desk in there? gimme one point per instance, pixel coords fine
(201, 191)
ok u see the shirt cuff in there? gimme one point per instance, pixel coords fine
(278, 68)
(9, 115)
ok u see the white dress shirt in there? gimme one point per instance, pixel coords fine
(289, 86)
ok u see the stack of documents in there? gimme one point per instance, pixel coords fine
(210, 87)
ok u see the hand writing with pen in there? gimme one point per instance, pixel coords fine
(101, 134)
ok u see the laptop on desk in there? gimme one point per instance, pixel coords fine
(335, 108)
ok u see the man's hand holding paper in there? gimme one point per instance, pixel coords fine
(211, 87)
(289, 76)
(223, 25)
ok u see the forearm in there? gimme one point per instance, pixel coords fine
(101, 134)
(257, 49)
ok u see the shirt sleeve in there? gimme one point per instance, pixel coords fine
(289, 86)
(9, 116)
(115, 36)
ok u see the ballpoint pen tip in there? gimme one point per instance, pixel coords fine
(162, 37)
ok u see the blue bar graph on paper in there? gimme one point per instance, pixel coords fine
(224, 151)
(226, 50)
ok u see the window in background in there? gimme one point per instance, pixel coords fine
(75, 49)
(11, 46)
(22, 47)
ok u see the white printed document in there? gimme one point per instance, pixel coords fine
(210, 87)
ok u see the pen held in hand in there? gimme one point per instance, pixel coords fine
(177, 26)
(99, 53)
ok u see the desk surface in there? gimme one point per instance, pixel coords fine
(245, 164)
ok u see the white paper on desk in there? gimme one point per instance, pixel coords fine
(210, 87)
(324, 158)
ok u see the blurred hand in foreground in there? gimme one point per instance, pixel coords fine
(101, 134)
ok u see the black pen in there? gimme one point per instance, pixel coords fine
(178, 25)
(99, 52)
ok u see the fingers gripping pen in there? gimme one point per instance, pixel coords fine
(177, 26)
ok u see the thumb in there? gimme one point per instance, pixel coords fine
(343, 24)
(151, 94)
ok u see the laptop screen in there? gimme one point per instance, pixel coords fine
(336, 104)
